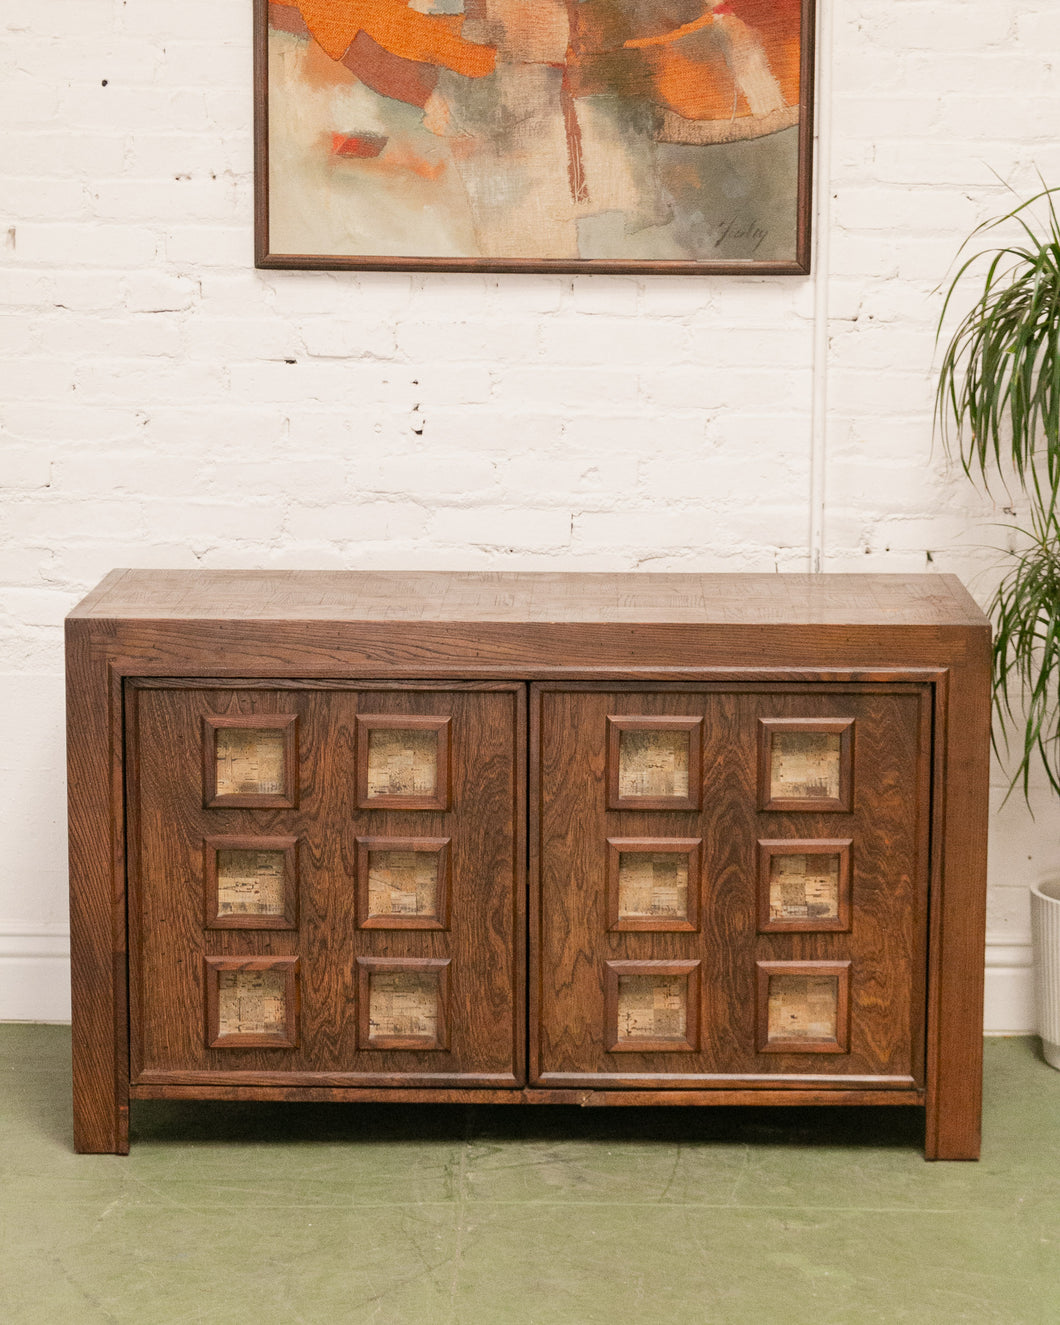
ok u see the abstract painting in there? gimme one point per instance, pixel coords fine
(534, 135)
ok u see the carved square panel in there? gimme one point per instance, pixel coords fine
(251, 1002)
(803, 1007)
(806, 764)
(251, 882)
(652, 1006)
(654, 763)
(403, 762)
(403, 882)
(403, 1002)
(250, 760)
(804, 884)
(653, 883)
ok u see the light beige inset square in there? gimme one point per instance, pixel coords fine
(251, 883)
(403, 1005)
(402, 762)
(250, 761)
(804, 766)
(252, 1003)
(803, 1007)
(403, 883)
(653, 884)
(653, 763)
(804, 887)
(652, 1007)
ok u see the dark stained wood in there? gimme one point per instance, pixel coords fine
(284, 722)
(366, 723)
(315, 641)
(485, 1031)
(694, 729)
(691, 848)
(768, 848)
(956, 968)
(837, 1044)
(98, 963)
(769, 727)
(584, 1098)
(214, 919)
(572, 941)
(369, 919)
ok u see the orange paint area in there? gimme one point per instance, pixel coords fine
(665, 38)
(358, 145)
(403, 32)
(693, 68)
(379, 155)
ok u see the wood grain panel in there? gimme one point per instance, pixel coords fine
(804, 884)
(283, 793)
(572, 939)
(484, 993)
(777, 736)
(250, 882)
(417, 900)
(251, 1002)
(636, 899)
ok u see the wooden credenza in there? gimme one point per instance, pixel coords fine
(595, 839)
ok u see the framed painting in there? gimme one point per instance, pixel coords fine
(534, 135)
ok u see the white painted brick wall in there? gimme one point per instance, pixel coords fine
(163, 404)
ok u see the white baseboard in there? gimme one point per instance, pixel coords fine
(34, 974)
(35, 980)
(1009, 1002)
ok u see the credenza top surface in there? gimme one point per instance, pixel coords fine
(511, 596)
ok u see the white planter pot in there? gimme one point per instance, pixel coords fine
(1045, 934)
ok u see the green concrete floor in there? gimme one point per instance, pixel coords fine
(515, 1216)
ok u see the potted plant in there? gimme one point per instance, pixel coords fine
(998, 404)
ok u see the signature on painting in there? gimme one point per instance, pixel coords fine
(740, 228)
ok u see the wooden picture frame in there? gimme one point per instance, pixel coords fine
(618, 799)
(769, 849)
(615, 971)
(369, 919)
(689, 847)
(216, 1038)
(214, 918)
(439, 799)
(368, 968)
(213, 724)
(609, 157)
(768, 728)
(839, 1043)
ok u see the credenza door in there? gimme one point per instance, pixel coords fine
(729, 885)
(326, 883)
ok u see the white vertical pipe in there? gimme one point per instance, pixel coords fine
(822, 158)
